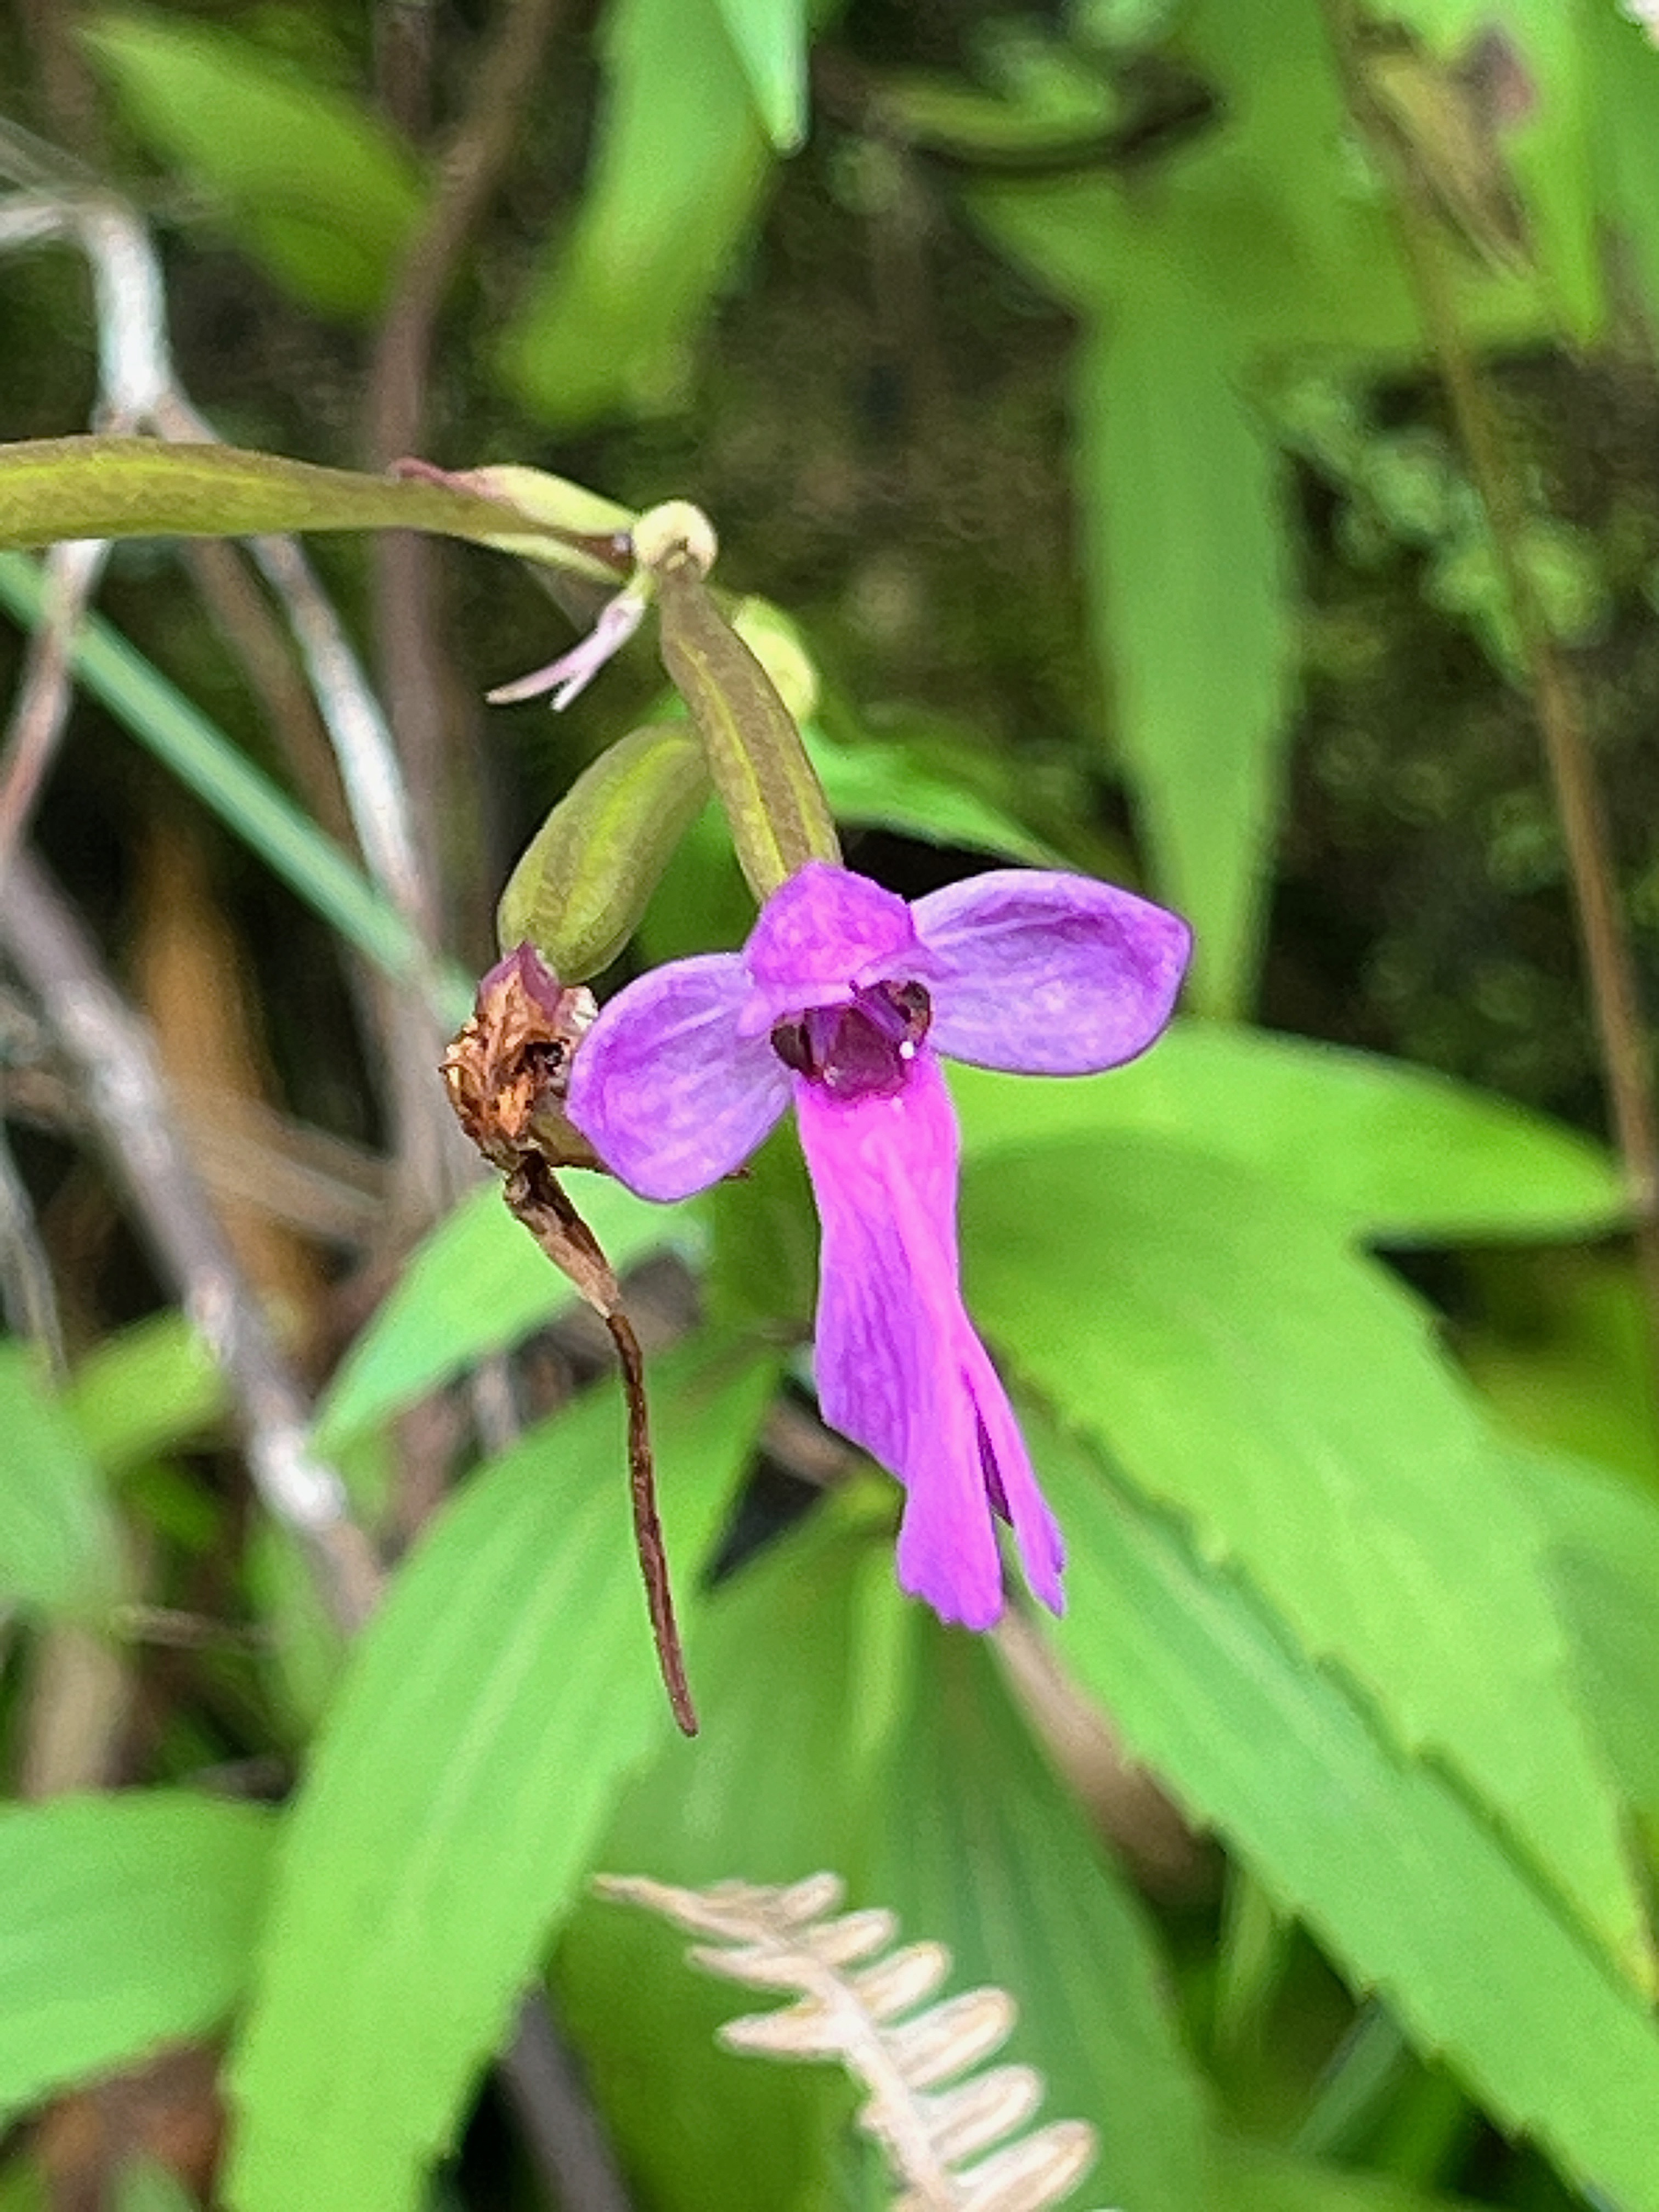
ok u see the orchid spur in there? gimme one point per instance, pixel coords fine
(839, 1003)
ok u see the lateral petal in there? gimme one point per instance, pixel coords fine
(1049, 974)
(664, 1087)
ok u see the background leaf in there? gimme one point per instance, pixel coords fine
(983, 1849)
(127, 1922)
(680, 165)
(1604, 1556)
(1184, 548)
(1385, 1152)
(147, 1387)
(885, 784)
(1283, 1394)
(793, 1658)
(488, 1715)
(1410, 1888)
(770, 39)
(312, 184)
(59, 1544)
(478, 1284)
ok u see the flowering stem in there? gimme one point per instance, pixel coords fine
(1609, 964)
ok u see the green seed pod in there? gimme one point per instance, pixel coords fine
(775, 803)
(585, 876)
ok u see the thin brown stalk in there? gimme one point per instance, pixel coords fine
(648, 1524)
(538, 1198)
(1610, 966)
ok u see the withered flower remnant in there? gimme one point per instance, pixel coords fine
(506, 1073)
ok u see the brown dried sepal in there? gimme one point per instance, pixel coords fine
(508, 1069)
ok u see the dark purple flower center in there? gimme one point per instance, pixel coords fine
(862, 1050)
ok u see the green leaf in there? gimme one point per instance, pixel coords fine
(681, 164)
(1285, 1395)
(477, 1285)
(886, 785)
(1185, 548)
(1256, 2177)
(1409, 1887)
(128, 1923)
(488, 1715)
(983, 1848)
(144, 2186)
(1558, 1345)
(1604, 1557)
(302, 1648)
(148, 1387)
(22, 2185)
(59, 1545)
(313, 185)
(1623, 97)
(97, 487)
(769, 38)
(792, 1659)
(1386, 1152)
(206, 762)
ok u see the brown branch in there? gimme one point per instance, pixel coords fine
(560, 2128)
(1609, 964)
(469, 171)
(36, 727)
(128, 1101)
(413, 676)
(537, 1200)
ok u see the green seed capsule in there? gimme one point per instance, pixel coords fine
(587, 875)
(775, 803)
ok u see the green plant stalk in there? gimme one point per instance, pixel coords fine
(779, 816)
(1609, 966)
(206, 762)
(99, 487)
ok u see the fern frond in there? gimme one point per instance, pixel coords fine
(865, 2004)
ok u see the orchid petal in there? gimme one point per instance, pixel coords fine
(867, 1347)
(1049, 974)
(899, 1367)
(664, 1089)
(822, 935)
(1037, 1532)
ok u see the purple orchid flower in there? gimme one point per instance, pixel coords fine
(838, 1003)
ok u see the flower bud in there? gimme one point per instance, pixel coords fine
(564, 524)
(587, 875)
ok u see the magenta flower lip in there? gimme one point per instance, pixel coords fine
(840, 1003)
